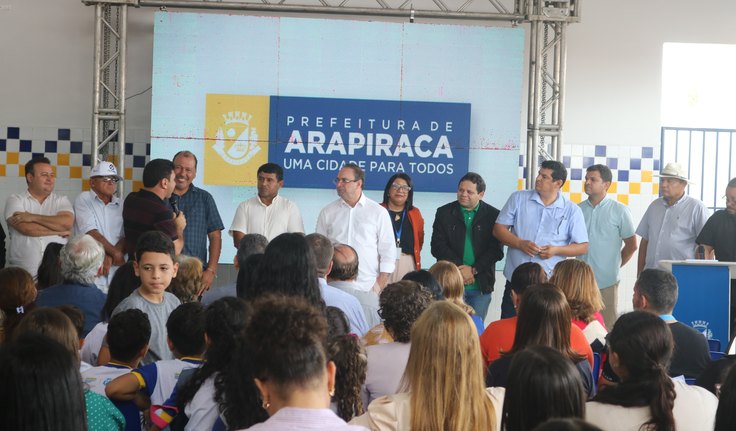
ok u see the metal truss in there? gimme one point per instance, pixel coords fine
(548, 20)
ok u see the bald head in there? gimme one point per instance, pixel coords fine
(344, 263)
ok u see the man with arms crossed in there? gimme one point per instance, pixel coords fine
(203, 221)
(362, 224)
(268, 213)
(36, 217)
(540, 225)
(609, 226)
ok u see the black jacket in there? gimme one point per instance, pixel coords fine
(448, 240)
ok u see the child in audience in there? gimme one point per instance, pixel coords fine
(102, 415)
(76, 315)
(123, 283)
(185, 329)
(127, 338)
(155, 266)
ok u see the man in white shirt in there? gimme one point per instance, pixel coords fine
(37, 217)
(362, 224)
(268, 213)
(672, 223)
(99, 214)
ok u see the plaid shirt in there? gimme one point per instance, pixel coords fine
(202, 216)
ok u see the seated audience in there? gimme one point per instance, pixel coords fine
(127, 338)
(77, 318)
(427, 280)
(640, 347)
(250, 244)
(290, 364)
(101, 413)
(188, 281)
(81, 259)
(544, 320)
(656, 291)
(17, 296)
(542, 384)
(449, 277)
(344, 276)
(576, 280)
(566, 424)
(442, 388)
(41, 386)
(247, 275)
(49, 270)
(323, 251)
(123, 283)
(401, 305)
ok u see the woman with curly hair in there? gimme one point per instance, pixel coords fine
(576, 280)
(401, 305)
(289, 360)
(640, 347)
(351, 364)
(442, 388)
(187, 285)
(451, 280)
(17, 296)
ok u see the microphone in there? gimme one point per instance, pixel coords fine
(174, 202)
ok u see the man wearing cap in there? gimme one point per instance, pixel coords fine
(671, 223)
(100, 215)
(203, 219)
(37, 217)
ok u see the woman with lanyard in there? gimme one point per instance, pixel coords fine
(398, 199)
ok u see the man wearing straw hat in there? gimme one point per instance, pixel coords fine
(671, 223)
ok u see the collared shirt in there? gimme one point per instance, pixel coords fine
(672, 230)
(367, 228)
(144, 211)
(253, 216)
(561, 223)
(91, 213)
(202, 216)
(468, 253)
(608, 223)
(346, 302)
(27, 251)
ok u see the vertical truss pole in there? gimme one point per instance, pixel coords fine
(547, 68)
(108, 110)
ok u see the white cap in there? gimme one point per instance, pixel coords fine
(104, 169)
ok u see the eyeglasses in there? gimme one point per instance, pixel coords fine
(399, 187)
(109, 180)
(344, 181)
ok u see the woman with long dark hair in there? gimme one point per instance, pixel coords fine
(408, 223)
(542, 384)
(640, 347)
(544, 320)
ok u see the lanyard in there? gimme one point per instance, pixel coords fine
(397, 232)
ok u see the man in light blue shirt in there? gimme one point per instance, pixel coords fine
(672, 223)
(541, 226)
(609, 226)
(334, 297)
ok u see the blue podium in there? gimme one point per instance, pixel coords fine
(704, 299)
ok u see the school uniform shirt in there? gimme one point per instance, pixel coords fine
(159, 378)
(96, 378)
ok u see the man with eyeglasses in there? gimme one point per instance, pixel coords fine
(268, 213)
(100, 215)
(462, 233)
(37, 217)
(203, 219)
(362, 224)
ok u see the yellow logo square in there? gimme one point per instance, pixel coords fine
(236, 138)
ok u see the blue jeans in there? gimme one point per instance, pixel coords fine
(479, 301)
(507, 305)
